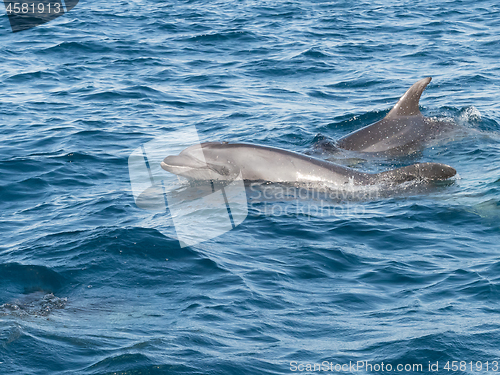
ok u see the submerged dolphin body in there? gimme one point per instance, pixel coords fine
(402, 131)
(225, 161)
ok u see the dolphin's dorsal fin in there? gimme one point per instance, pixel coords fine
(408, 103)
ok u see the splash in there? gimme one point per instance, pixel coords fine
(469, 115)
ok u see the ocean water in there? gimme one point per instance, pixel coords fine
(91, 284)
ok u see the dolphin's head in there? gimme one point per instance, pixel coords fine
(199, 163)
(419, 172)
(435, 171)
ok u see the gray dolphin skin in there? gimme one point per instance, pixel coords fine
(225, 161)
(402, 131)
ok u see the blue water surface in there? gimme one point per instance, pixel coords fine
(90, 283)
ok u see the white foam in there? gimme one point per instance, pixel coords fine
(469, 114)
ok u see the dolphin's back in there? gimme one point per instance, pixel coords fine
(387, 135)
(275, 164)
(403, 130)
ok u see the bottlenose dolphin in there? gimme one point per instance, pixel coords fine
(403, 130)
(225, 161)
